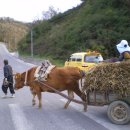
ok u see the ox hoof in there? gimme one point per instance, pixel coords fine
(40, 107)
(66, 106)
(33, 104)
(85, 110)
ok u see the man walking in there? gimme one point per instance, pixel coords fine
(8, 79)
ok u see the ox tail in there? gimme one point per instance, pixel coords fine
(82, 80)
(82, 73)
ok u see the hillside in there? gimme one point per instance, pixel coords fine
(97, 25)
(11, 32)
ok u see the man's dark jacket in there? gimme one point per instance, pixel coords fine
(8, 73)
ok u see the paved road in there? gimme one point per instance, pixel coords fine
(18, 114)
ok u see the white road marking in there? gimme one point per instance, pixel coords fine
(19, 119)
(92, 116)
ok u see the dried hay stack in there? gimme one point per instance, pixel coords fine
(108, 77)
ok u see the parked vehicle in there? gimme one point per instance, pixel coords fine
(84, 60)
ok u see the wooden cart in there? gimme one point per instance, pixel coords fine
(118, 107)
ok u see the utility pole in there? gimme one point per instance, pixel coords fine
(31, 43)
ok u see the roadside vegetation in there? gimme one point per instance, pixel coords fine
(96, 25)
(37, 60)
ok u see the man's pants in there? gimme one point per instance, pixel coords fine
(10, 86)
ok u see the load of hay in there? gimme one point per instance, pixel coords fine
(109, 77)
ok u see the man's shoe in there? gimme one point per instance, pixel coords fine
(12, 96)
(4, 96)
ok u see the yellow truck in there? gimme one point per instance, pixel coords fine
(84, 60)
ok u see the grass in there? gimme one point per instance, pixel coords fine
(56, 62)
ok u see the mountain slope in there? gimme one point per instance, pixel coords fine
(11, 32)
(97, 25)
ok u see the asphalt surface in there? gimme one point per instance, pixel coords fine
(19, 114)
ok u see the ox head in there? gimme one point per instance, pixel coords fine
(19, 81)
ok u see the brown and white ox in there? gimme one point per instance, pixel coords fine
(60, 78)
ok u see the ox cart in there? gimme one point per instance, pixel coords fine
(106, 84)
(118, 110)
(118, 106)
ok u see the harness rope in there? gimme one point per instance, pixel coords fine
(58, 92)
(62, 94)
(25, 81)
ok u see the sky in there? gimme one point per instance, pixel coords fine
(30, 10)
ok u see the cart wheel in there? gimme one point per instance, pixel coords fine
(119, 112)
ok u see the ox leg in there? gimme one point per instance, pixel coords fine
(33, 100)
(39, 95)
(34, 94)
(70, 95)
(83, 97)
